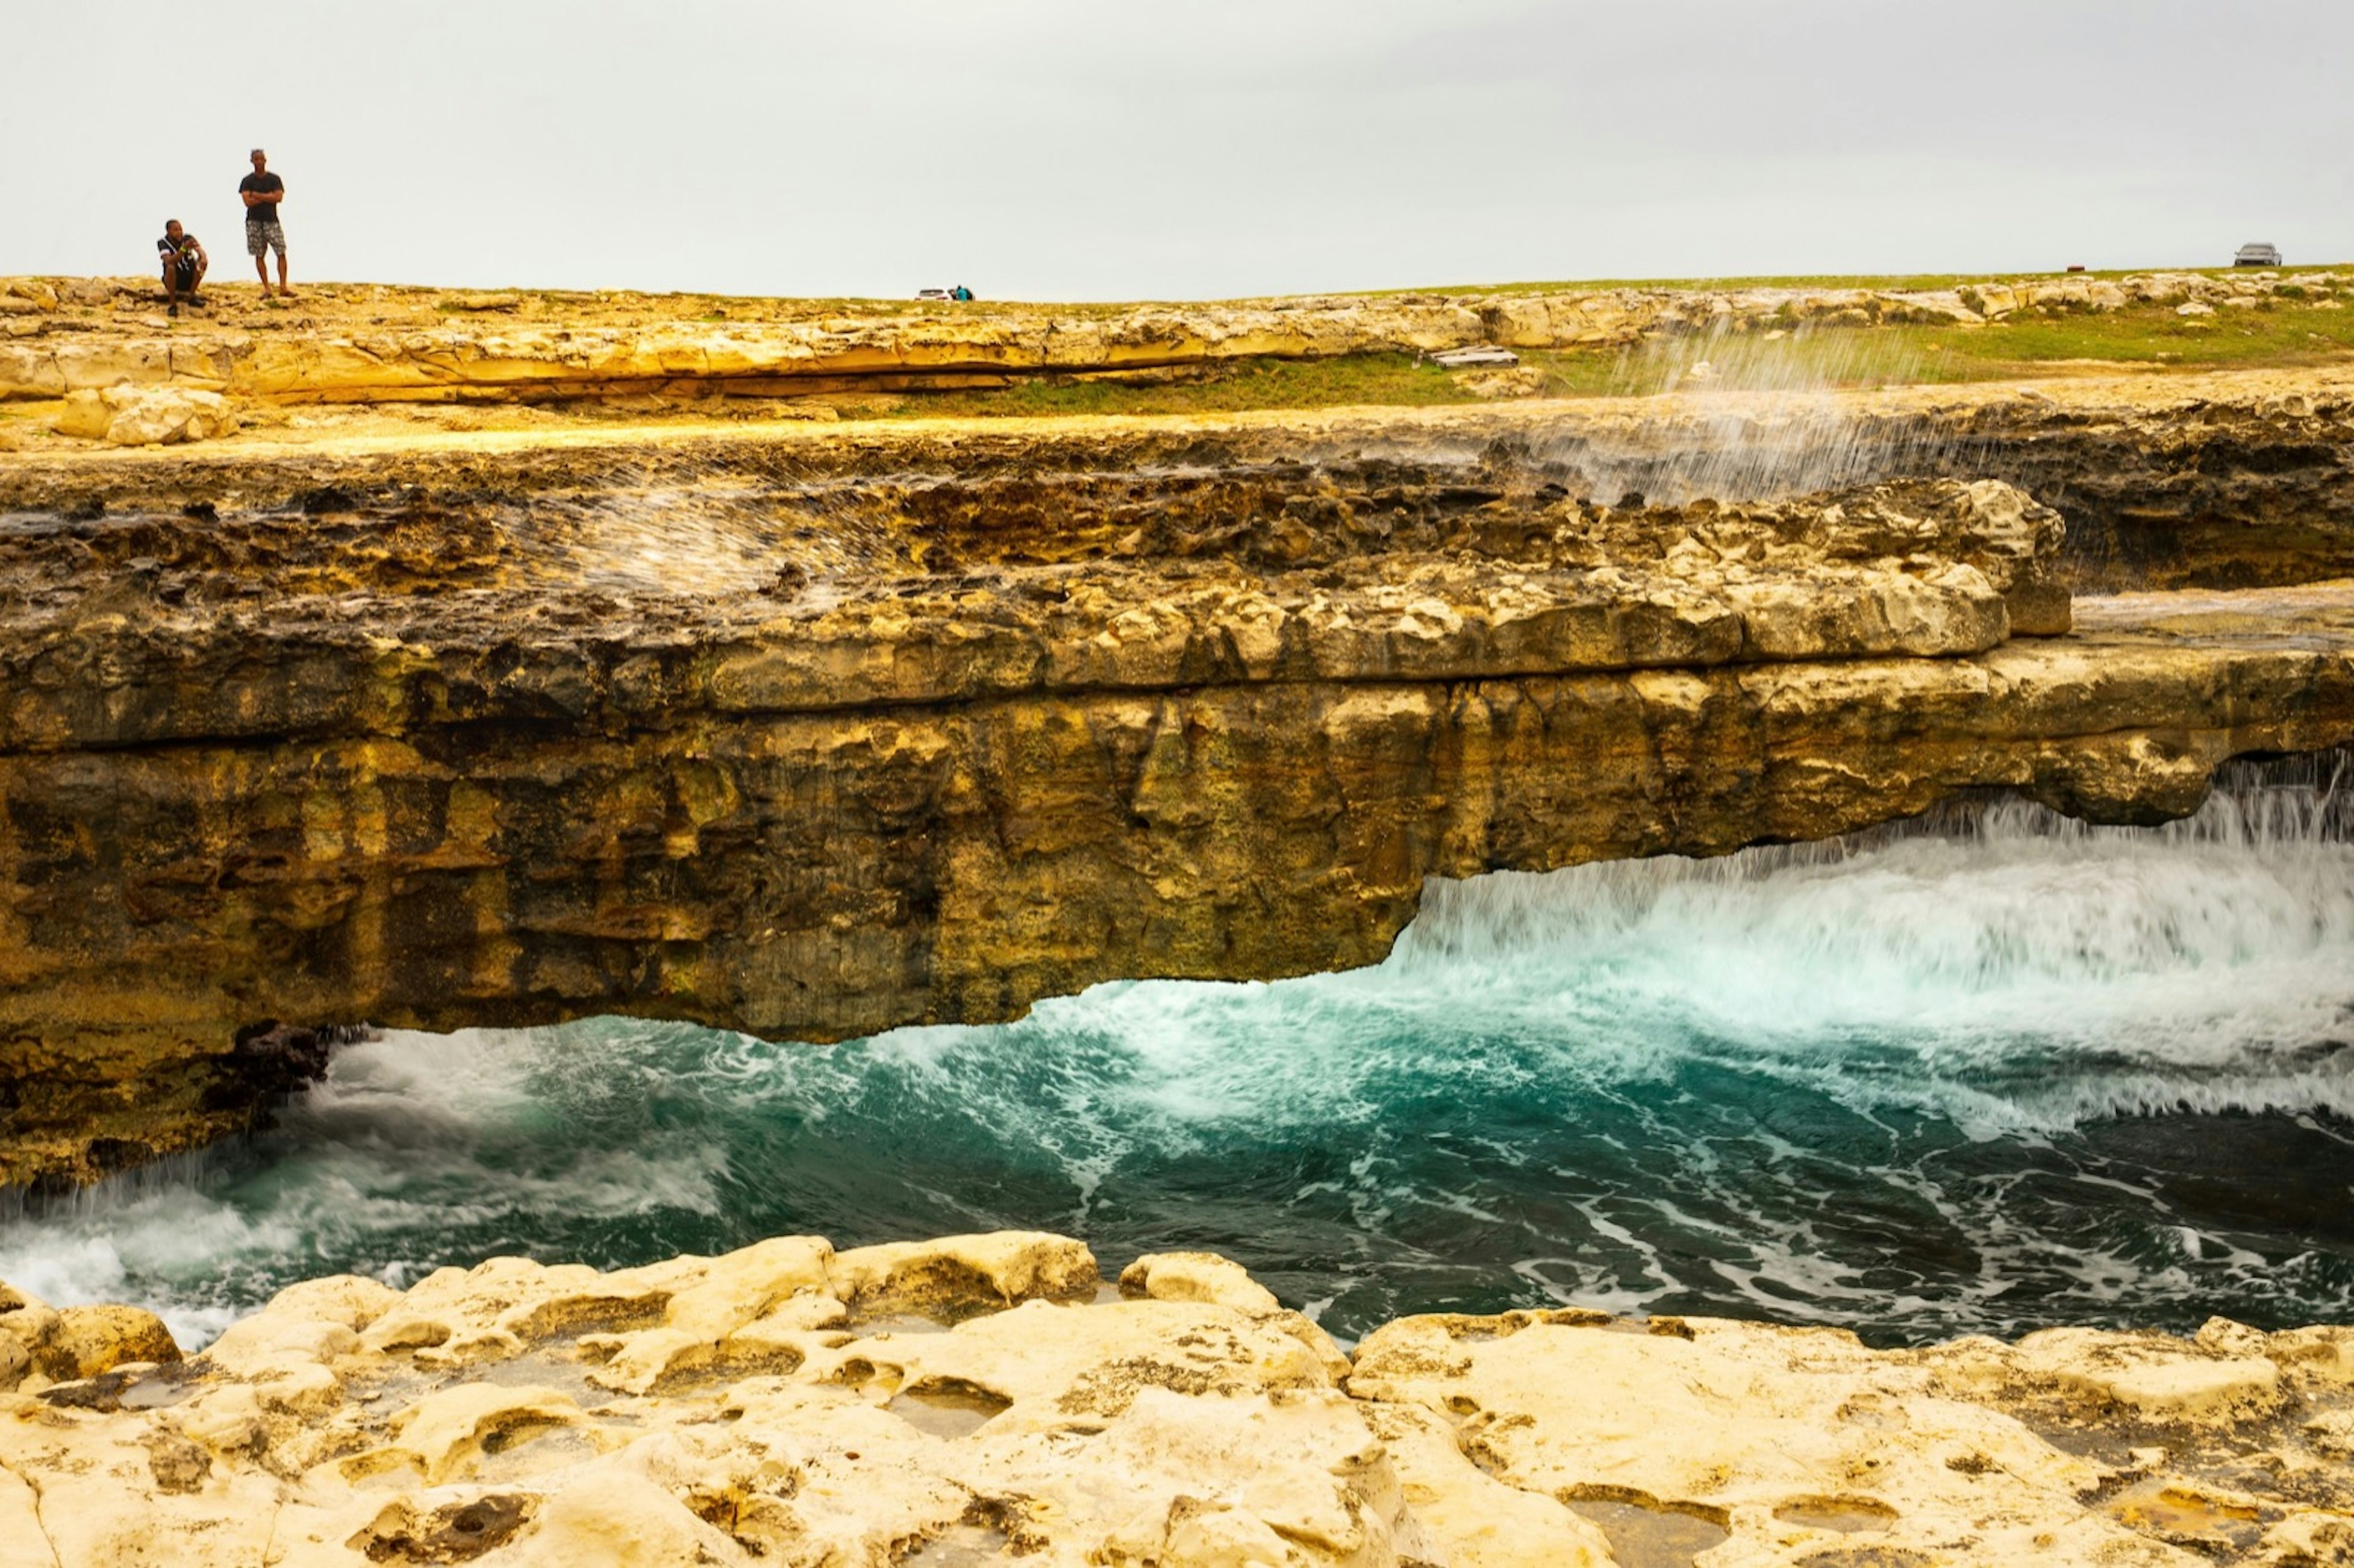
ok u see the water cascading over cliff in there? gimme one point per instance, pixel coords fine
(1986, 1072)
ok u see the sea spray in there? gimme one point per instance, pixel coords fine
(1985, 1071)
(1752, 416)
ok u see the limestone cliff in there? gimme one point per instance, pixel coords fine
(811, 736)
(989, 1399)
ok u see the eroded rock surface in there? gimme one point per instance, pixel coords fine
(130, 416)
(813, 738)
(988, 1398)
(381, 345)
(2220, 480)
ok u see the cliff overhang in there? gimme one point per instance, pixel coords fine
(818, 734)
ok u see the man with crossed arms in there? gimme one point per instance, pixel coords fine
(261, 192)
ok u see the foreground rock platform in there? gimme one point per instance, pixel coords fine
(814, 734)
(989, 1399)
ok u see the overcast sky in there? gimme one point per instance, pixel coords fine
(1111, 149)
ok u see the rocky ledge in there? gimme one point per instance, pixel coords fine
(2221, 480)
(84, 338)
(991, 1399)
(816, 736)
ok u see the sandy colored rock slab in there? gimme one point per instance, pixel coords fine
(785, 1403)
(130, 416)
(52, 1344)
(986, 1399)
(1802, 1446)
(2211, 479)
(916, 864)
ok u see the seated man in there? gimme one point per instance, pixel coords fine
(183, 264)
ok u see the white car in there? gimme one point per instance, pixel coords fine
(2257, 256)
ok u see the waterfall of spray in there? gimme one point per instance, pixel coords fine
(2270, 810)
(713, 533)
(1751, 416)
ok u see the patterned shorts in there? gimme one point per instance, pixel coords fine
(262, 237)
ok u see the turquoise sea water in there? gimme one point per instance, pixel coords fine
(1986, 1073)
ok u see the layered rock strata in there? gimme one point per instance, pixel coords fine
(815, 755)
(380, 344)
(991, 1399)
(2228, 480)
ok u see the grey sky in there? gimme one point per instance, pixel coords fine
(1096, 149)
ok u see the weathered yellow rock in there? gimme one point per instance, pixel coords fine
(16, 1360)
(1008, 1266)
(85, 416)
(23, 1544)
(463, 1426)
(88, 1340)
(1472, 1519)
(342, 352)
(51, 1345)
(1185, 1424)
(129, 416)
(1196, 1276)
(2158, 1378)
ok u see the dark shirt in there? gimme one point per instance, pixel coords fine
(183, 253)
(268, 184)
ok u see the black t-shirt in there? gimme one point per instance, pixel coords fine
(183, 253)
(268, 184)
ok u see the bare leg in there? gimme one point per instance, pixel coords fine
(262, 270)
(171, 285)
(281, 275)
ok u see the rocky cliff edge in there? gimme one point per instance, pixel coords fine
(814, 738)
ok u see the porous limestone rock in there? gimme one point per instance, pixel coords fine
(822, 1418)
(40, 1341)
(1801, 1446)
(18, 295)
(986, 1399)
(128, 415)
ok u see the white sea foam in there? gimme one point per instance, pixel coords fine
(2028, 972)
(1751, 416)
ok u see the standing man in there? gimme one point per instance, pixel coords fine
(183, 264)
(261, 192)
